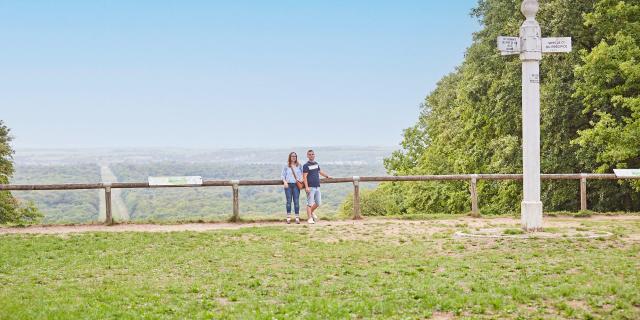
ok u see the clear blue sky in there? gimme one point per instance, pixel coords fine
(210, 74)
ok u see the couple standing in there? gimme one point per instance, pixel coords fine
(296, 177)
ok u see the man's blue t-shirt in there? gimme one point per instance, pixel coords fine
(313, 177)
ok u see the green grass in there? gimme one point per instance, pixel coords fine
(331, 271)
(513, 231)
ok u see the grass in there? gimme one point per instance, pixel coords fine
(397, 270)
(513, 231)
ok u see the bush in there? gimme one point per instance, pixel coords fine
(375, 202)
(14, 212)
(11, 210)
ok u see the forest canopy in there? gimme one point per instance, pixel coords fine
(590, 113)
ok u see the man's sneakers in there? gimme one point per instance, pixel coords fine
(297, 220)
(311, 221)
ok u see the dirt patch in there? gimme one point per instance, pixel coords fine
(633, 237)
(222, 301)
(442, 316)
(578, 305)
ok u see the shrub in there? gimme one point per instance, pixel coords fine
(13, 211)
(375, 202)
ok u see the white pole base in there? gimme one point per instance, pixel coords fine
(531, 215)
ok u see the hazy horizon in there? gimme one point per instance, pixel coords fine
(204, 147)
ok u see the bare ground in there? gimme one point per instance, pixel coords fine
(382, 227)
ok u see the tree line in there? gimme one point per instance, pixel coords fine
(471, 122)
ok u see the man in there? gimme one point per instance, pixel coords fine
(311, 173)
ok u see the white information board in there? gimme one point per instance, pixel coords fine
(551, 45)
(175, 181)
(627, 173)
(509, 45)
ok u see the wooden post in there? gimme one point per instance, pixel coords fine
(583, 192)
(236, 201)
(475, 211)
(107, 200)
(356, 198)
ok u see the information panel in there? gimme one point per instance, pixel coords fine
(627, 173)
(175, 181)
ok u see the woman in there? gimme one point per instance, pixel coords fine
(291, 177)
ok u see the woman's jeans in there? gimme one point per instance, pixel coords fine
(293, 193)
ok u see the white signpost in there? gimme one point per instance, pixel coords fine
(509, 45)
(556, 45)
(530, 46)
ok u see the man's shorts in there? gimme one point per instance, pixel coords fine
(314, 197)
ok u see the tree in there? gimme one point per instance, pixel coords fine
(471, 122)
(11, 210)
(609, 85)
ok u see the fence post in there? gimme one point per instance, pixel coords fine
(583, 191)
(356, 198)
(236, 201)
(107, 202)
(475, 211)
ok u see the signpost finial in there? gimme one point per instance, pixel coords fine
(529, 9)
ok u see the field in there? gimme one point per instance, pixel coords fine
(167, 205)
(71, 206)
(379, 268)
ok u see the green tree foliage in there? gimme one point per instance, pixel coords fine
(609, 85)
(471, 122)
(11, 211)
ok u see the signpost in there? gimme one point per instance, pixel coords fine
(509, 45)
(530, 45)
(175, 181)
(556, 45)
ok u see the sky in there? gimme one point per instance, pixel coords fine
(223, 74)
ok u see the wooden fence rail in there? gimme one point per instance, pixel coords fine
(356, 180)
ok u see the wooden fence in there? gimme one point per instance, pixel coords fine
(235, 185)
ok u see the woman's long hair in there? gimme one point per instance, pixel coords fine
(289, 161)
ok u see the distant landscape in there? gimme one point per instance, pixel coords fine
(38, 166)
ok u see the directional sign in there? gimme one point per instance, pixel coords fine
(627, 173)
(509, 45)
(175, 181)
(551, 45)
